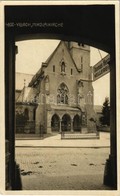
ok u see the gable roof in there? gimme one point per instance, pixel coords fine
(20, 77)
(36, 77)
(50, 57)
(27, 95)
(40, 71)
(52, 54)
(45, 64)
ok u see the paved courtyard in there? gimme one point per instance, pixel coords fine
(55, 141)
(62, 168)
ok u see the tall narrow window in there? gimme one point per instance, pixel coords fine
(53, 68)
(58, 99)
(71, 71)
(66, 99)
(81, 59)
(81, 63)
(63, 67)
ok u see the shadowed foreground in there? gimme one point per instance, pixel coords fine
(62, 168)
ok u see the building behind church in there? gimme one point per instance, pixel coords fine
(60, 96)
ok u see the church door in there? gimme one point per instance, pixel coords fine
(55, 123)
(77, 123)
(66, 123)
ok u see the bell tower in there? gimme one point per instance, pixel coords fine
(81, 56)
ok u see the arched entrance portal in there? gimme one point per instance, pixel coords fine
(66, 123)
(100, 18)
(77, 123)
(55, 123)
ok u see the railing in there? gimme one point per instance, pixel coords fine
(29, 127)
(75, 135)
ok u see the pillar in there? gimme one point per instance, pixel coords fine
(10, 109)
(48, 122)
(60, 125)
(72, 125)
(110, 175)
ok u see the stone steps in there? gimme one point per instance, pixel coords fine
(80, 136)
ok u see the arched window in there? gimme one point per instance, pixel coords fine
(62, 66)
(62, 96)
(53, 68)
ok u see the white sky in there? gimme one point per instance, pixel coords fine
(32, 53)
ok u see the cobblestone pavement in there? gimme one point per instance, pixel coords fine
(62, 168)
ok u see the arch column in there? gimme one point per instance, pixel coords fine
(60, 125)
(72, 124)
(48, 122)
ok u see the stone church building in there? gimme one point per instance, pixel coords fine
(60, 95)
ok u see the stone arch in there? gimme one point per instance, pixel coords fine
(77, 123)
(66, 123)
(55, 123)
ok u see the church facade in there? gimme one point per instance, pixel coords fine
(60, 96)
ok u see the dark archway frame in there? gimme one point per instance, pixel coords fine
(91, 24)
